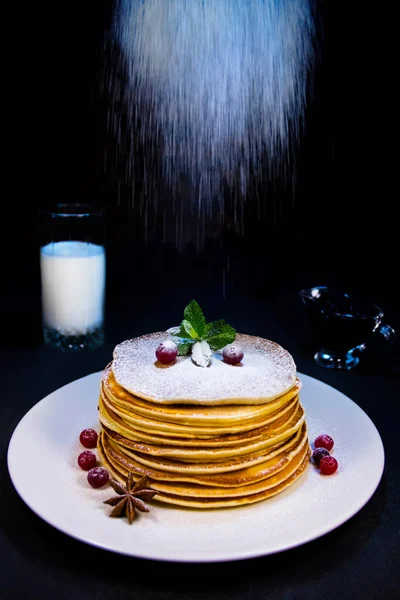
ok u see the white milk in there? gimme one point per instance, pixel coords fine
(73, 284)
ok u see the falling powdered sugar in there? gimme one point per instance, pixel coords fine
(207, 104)
(266, 372)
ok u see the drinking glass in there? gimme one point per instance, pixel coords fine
(72, 266)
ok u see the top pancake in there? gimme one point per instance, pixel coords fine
(266, 372)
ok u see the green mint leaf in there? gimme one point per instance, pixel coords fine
(180, 332)
(194, 315)
(218, 334)
(184, 346)
(190, 331)
(213, 328)
(185, 331)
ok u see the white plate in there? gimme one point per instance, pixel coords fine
(42, 463)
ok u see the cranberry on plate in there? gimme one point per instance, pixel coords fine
(98, 477)
(328, 465)
(88, 438)
(323, 441)
(87, 460)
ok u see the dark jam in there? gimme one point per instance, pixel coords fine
(339, 322)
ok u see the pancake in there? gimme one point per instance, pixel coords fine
(237, 461)
(202, 491)
(218, 416)
(148, 425)
(208, 503)
(278, 456)
(204, 498)
(215, 437)
(271, 436)
(161, 469)
(266, 372)
(264, 435)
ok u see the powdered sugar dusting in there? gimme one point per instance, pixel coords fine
(169, 344)
(266, 372)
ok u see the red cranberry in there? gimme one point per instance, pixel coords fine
(98, 477)
(328, 465)
(323, 441)
(88, 438)
(167, 352)
(87, 460)
(318, 454)
(232, 354)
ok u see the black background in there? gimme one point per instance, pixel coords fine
(341, 230)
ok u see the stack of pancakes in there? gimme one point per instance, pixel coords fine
(206, 437)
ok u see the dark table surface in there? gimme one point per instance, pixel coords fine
(358, 559)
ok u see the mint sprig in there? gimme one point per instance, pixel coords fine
(195, 329)
(194, 316)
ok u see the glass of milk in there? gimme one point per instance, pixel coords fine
(72, 266)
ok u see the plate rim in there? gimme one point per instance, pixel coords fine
(236, 556)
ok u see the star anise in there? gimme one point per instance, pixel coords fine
(129, 497)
